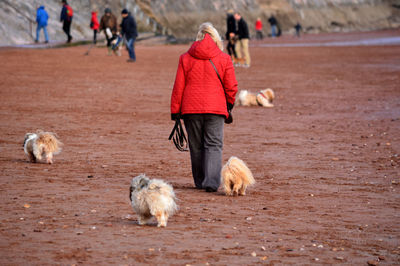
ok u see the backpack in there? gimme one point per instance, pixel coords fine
(70, 12)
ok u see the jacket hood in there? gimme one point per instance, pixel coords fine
(94, 12)
(41, 7)
(204, 49)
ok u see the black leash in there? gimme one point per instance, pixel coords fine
(178, 136)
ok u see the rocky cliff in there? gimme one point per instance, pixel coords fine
(181, 18)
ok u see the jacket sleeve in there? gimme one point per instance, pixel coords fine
(230, 83)
(101, 24)
(179, 86)
(63, 14)
(134, 27)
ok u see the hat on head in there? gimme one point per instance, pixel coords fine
(124, 11)
(107, 10)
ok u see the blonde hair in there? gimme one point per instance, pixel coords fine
(207, 27)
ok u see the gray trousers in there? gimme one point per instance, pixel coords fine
(206, 135)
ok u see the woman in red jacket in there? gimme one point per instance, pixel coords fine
(94, 25)
(200, 99)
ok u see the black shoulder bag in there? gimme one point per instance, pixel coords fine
(229, 119)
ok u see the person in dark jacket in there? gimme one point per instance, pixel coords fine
(243, 41)
(230, 34)
(200, 98)
(298, 28)
(66, 18)
(108, 24)
(274, 28)
(129, 31)
(41, 18)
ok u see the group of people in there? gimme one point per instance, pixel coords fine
(114, 33)
(42, 18)
(237, 35)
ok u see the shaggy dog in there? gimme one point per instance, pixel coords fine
(41, 144)
(236, 176)
(263, 98)
(152, 197)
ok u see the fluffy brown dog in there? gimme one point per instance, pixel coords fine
(263, 98)
(236, 176)
(152, 197)
(41, 144)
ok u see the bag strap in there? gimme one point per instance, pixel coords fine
(219, 77)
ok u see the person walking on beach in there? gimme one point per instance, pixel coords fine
(108, 24)
(242, 44)
(203, 102)
(298, 28)
(259, 26)
(41, 18)
(274, 28)
(129, 31)
(230, 35)
(94, 25)
(66, 17)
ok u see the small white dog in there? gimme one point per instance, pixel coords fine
(236, 177)
(41, 144)
(152, 198)
(263, 98)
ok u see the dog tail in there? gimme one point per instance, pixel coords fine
(270, 94)
(49, 142)
(239, 168)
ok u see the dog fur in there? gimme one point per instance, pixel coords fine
(152, 198)
(41, 145)
(263, 98)
(236, 177)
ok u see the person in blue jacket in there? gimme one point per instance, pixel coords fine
(41, 19)
(129, 31)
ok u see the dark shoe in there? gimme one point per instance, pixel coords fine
(131, 61)
(46, 42)
(36, 41)
(210, 189)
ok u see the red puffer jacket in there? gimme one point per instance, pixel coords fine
(197, 89)
(94, 22)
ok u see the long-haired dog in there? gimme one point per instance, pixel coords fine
(236, 177)
(41, 145)
(263, 98)
(152, 198)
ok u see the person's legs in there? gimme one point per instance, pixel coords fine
(130, 44)
(67, 29)
(273, 30)
(109, 45)
(46, 35)
(213, 143)
(94, 36)
(245, 45)
(194, 129)
(238, 48)
(37, 33)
